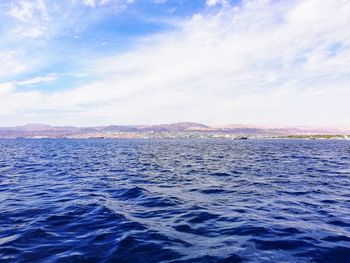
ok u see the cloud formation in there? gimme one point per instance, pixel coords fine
(216, 2)
(263, 62)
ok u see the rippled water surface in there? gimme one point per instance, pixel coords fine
(174, 201)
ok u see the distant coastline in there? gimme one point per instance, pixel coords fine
(185, 130)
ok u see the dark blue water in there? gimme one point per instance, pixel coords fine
(174, 201)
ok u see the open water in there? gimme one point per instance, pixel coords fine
(174, 201)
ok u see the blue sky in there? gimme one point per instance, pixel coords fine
(61, 36)
(100, 62)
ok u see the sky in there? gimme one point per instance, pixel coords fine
(101, 62)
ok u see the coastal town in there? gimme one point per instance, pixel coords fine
(182, 130)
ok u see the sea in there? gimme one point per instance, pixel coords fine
(188, 200)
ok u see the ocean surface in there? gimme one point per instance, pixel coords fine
(174, 201)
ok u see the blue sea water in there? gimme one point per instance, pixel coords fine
(174, 201)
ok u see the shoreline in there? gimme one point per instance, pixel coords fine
(200, 137)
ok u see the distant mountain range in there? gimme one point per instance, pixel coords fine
(173, 129)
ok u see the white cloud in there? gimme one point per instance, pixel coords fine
(36, 80)
(94, 3)
(91, 3)
(15, 103)
(25, 10)
(263, 62)
(32, 15)
(33, 32)
(10, 63)
(6, 88)
(217, 2)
